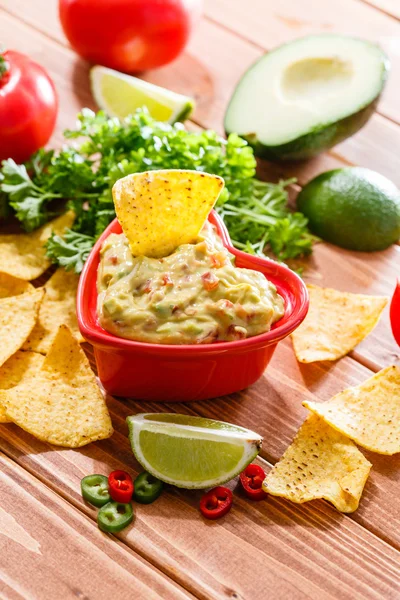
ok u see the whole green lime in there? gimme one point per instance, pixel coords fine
(354, 208)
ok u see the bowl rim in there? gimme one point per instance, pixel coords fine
(99, 337)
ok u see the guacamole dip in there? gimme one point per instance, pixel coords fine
(195, 295)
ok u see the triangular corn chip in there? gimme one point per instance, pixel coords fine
(23, 255)
(369, 413)
(20, 366)
(12, 286)
(160, 210)
(336, 322)
(320, 463)
(18, 316)
(62, 403)
(58, 308)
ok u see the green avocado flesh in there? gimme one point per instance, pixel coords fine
(306, 96)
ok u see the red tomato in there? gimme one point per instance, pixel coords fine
(28, 107)
(129, 35)
(395, 313)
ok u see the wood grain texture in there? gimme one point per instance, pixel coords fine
(391, 7)
(205, 71)
(50, 550)
(299, 551)
(269, 24)
(304, 551)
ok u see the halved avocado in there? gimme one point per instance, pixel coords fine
(308, 95)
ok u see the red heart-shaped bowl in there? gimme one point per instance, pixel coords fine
(181, 373)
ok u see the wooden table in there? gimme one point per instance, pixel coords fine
(50, 546)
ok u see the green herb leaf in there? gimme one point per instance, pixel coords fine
(4, 66)
(70, 251)
(105, 149)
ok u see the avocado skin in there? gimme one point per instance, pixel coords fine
(317, 141)
(367, 223)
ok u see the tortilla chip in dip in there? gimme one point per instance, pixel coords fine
(12, 286)
(320, 463)
(23, 255)
(58, 308)
(336, 322)
(18, 316)
(20, 366)
(62, 403)
(369, 413)
(160, 210)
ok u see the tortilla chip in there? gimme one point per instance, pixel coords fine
(21, 366)
(160, 210)
(23, 255)
(11, 286)
(369, 413)
(58, 308)
(320, 463)
(336, 322)
(18, 316)
(62, 403)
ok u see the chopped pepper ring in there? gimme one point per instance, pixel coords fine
(121, 486)
(95, 490)
(114, 516)
(216, 503)
(251, 479)
(147, 488)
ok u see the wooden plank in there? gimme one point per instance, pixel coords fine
(291, 554)
(206, 72)
(299, 551)
(268, 25)
(51, 550)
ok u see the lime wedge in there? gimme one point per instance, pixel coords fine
(120, 95)
(191, 452)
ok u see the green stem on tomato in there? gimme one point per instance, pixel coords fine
(4, 66)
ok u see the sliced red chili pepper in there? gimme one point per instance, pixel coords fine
(216, 503)
(251, 480)
(120, 486)
(395, 313)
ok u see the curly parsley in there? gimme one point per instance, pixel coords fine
(255, 212)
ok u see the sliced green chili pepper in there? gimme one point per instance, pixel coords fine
(114, 516)
(95, 489)
(147, 488)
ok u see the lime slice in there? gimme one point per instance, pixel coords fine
(191, 452)
(120, 95)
